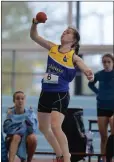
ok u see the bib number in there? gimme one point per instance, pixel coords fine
(50, 78)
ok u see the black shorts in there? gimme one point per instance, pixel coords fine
(53, 101)
(105, 104)
(105, 113)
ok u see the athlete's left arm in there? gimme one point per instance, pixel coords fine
(83, 67)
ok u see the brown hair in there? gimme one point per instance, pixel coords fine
(14, 95)
(109, 56)
(77, 37)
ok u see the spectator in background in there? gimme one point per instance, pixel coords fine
(20, 128)
(105, 98)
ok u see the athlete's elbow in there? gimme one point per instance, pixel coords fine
(31, 35)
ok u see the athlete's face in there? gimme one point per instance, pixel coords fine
(107, 63)
(68, 36)
(19, 100)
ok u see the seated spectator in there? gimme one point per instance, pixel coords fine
(20, 127)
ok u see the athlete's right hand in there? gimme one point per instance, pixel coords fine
(35, 21)
(89, 74)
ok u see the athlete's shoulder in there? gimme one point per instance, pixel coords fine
(53, 50)
(54, 47)
(76, 57)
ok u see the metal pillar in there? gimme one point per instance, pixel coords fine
(78, 78)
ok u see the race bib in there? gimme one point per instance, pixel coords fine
(50, 78)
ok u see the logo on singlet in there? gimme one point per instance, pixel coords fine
(65, 59)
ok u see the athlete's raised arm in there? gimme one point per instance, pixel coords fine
(38, 39)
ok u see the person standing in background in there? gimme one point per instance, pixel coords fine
(105, 98)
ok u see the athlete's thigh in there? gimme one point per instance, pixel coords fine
(45, 102)
(44, 119)
(61, 102)
(56, 119)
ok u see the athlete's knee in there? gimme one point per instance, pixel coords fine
(43, 128)
(56, 128)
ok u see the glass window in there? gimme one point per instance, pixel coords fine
(96, 23)
(30, 84)
(30, 62)
(6, 61)
(74, 13)
(6, 84)
(17, 19)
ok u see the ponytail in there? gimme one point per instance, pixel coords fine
(76, 45)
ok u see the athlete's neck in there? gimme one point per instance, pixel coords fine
(65, 48)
